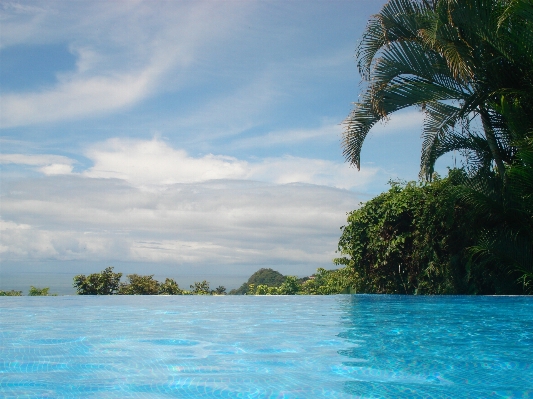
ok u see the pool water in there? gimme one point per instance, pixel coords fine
(347, 346)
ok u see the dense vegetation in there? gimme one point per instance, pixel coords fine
(10, 293)
(267, 277)
(271, 282)
(417, 238)
(468, 66)
(108, 282)
(262, 282)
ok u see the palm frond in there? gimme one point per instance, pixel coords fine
(397, 21)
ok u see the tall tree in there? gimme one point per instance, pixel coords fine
(459, 61)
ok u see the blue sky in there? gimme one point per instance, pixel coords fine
(185, 138)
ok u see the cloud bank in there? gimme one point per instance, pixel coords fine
(216, 222)
(153, 162)
(144, 201)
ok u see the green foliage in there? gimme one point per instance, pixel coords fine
(250, 290)
(108, 283)
(200, 288)
(34, 291)
(324, 282)
(454, 60)
(290, 286)
(139, 285)
(261, 289)
(504, 214)
(220, 290)
(170, 287)
(10, 293)
(412, 239)
(328, 282)
(268, 277)
(458, 62)
(440, 238)
(103, 283)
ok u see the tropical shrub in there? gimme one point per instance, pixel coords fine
(34, 291)
(10, 293)
(170, 287)
(431, 238)
(200, 288)
(104, 283)
(139, 285)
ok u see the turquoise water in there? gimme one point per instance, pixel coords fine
(360, 346)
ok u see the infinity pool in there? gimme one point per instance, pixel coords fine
(360, 346)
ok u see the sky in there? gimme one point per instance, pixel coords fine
(184, 138)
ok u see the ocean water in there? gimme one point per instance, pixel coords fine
(346, 346)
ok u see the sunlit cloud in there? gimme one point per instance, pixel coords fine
(154, 162)
(145, 201)
(73, 99)
(290, 169)
(150, 163)
(143, 162)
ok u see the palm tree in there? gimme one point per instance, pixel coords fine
(467, 64)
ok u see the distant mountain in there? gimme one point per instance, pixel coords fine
(269, 277)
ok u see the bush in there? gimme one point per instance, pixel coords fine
(200, 288)
(139, 285)
(170, 287)
(412, 239)
(34, 291)
(103, 283)
(10, 293)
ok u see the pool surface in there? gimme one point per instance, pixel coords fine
(360, 346)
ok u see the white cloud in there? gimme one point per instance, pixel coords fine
(56, 169)
(49, 164)
(35, 160)
(153, 163)
(27, 242)
(142, 162)
(75, 98)
(290, 169)
(204, 210)
(149, 163)
(220, 222)
(120, 60)
(327, 132)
